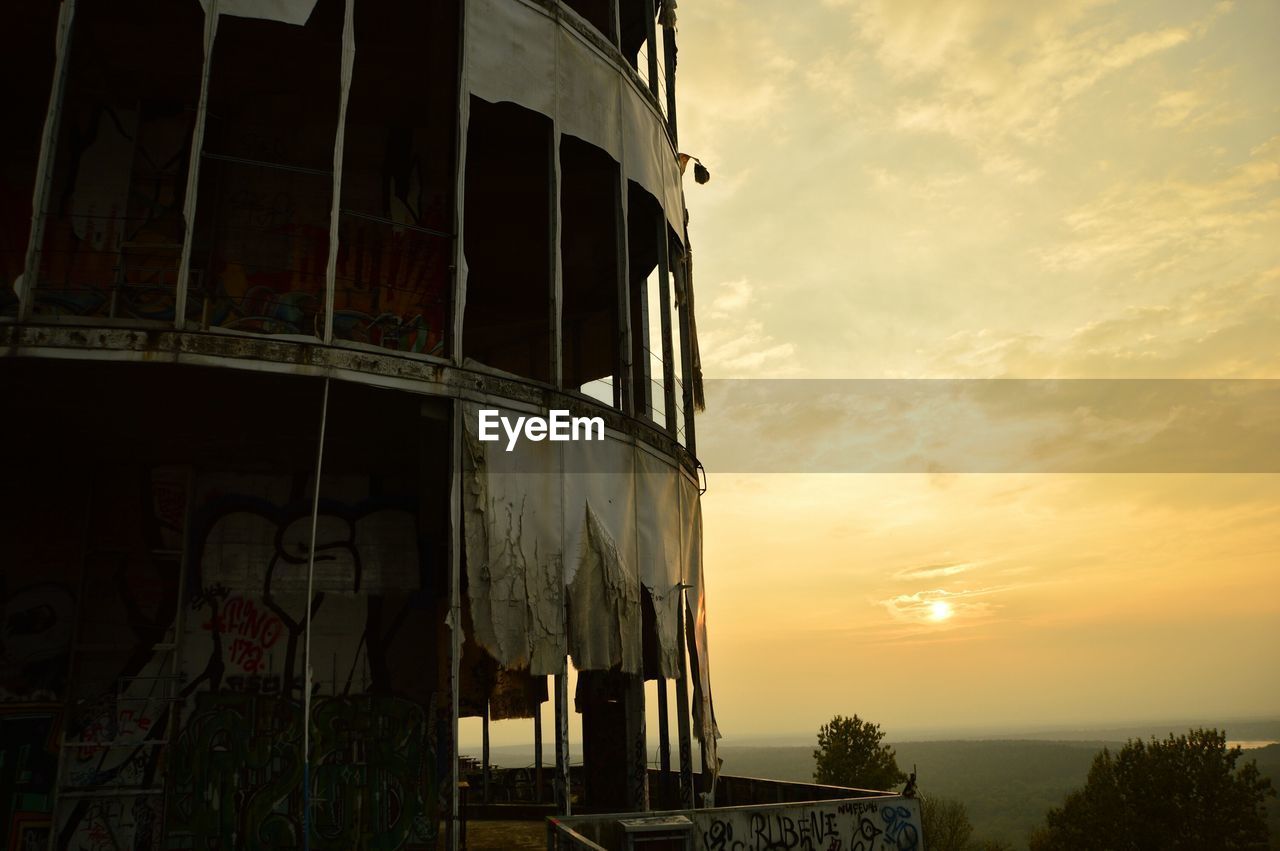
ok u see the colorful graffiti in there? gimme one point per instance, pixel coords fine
(28, 766)
(236, 775)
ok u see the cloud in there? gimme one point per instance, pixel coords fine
(934, 571)
(733, 296)
(732, 344)
(1002, 76)
(1153, 226)
(919, 607)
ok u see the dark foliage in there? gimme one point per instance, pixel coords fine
(1184, 792)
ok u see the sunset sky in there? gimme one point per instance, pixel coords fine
(978, 189)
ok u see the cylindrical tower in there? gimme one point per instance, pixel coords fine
(270, 266)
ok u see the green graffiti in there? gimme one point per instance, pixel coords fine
(236, 775)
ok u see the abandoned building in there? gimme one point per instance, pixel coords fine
(264, 262)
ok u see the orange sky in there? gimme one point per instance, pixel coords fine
(979, 189)
(906, 189)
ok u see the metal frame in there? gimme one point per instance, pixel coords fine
(48, 154)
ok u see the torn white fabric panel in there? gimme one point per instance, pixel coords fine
(649, 159)
(604, 603)
(704, 719)
(511, 503)
(659, 545)
(516, 52)
(294, 12)
(511, 54)
(601, 555)
(587, 95)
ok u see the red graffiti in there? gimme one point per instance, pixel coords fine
(253, 632)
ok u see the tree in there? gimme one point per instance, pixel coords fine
(850, 753)
(944, 823)
(1180, 793)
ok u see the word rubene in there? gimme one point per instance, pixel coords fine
(557, 426)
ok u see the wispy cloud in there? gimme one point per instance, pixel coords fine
(933, 571)
(940, 606)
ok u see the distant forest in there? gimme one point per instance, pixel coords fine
(1006, 785)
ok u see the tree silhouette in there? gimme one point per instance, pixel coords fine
(1179, 793)
(850, 753)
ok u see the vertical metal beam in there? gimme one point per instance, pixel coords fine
(644, 394)
(458, 300)
(624, 395)
(484, 756)
(454, 621)
(537, 753)
(669, 60)
(45, 163)
(664, 301)
(563, 785)
(664, 743)
(682, 711)
(306, 647)
(193, 169)
(683, 312)
(339, 141)
(554, 259)
(637, 744)
(651, 45)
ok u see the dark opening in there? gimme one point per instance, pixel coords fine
(599, 13)
(26, 76)
(644, 220)
(507, 241)
(266, 174)
(394, 245)
(589, 211)
(113, 226)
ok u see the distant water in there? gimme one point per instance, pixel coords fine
(1250, 744)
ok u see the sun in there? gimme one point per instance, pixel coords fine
(940, 610)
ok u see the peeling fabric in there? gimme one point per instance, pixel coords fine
(538, 538)
(658, 524)
(294, 12)
(704, 717)
(517, 52)
(511, 522)
(604, 608)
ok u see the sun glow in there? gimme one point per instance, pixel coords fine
(940, 611)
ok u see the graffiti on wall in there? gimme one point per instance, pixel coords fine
(372, 782)
(879, 824)
(28, 765)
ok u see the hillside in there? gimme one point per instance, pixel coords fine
(1007, 785)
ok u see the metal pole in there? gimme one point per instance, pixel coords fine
(44, 165)
(682, 712)
(651, 45)
(664, 742)
(455, 612)
(562, 745)
(193, 171)
(537, 753)
(625, 391)
(339, 141)
(484, 757)
(684, 314)
(306, 652)
(669, 58)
